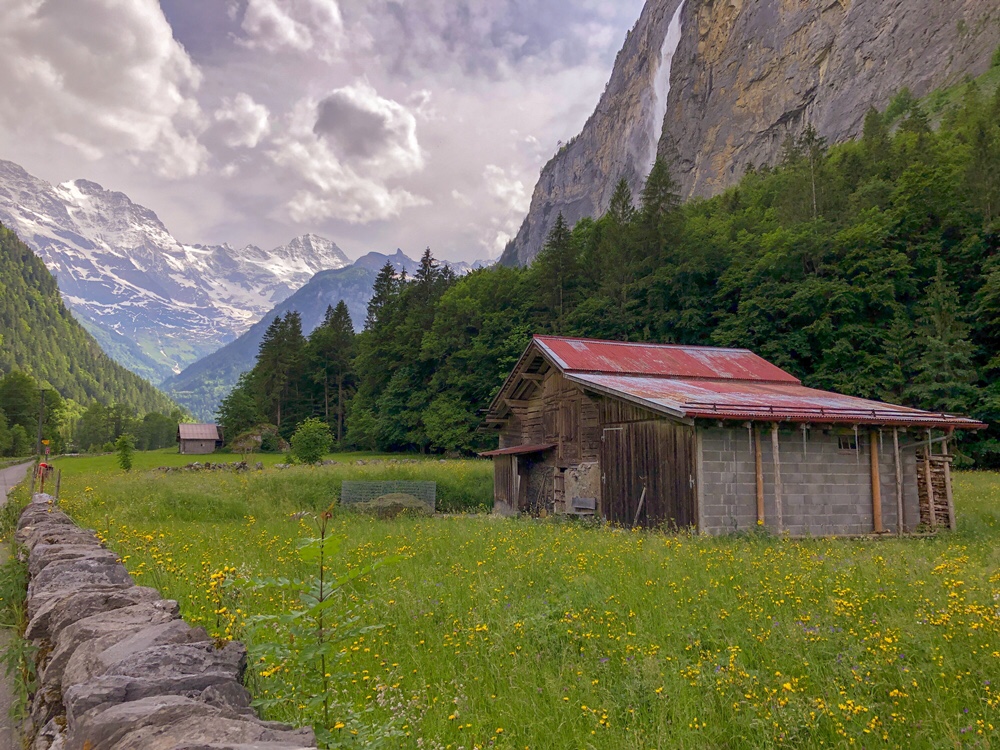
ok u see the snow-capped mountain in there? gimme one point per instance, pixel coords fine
(121, 270)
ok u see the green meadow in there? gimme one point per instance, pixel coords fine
(517, 633)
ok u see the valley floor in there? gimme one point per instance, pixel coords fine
(544, 634)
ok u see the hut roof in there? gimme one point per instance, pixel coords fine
(197, 432)
(689, 382)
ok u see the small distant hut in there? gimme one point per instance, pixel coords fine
(198, 439)
(718, 440)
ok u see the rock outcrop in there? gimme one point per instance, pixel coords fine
(743, 77)
(118, 669)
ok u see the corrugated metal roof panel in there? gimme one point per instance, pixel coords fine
(766, 401)
(660, 360)
(198, 431)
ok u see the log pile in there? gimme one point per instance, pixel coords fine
(940, 476)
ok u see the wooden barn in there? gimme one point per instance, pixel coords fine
(198, 439)
(719, 440)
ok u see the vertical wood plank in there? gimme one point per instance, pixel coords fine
(777, 478)
(899, 481)
(930, 484)
(952, 522)
(876, 482)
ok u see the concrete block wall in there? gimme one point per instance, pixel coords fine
(826, 490)
(118, 669)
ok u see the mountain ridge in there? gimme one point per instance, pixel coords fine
(42, 338)
(121, 269)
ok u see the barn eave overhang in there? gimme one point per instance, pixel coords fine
(674, 412)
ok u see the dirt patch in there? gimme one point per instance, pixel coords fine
(392, 505)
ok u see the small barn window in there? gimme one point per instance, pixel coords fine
(848, 442)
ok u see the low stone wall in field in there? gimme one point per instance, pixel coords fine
(117, 667)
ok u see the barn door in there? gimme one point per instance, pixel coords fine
(656, 456)
(614, 480)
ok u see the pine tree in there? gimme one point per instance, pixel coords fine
(385, 288)
(659, 215)
(278, 374)
(945, 373)
(331, 348)
(983, 174)
(556, 270)
(814, 150)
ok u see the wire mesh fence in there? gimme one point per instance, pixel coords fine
(397, 494)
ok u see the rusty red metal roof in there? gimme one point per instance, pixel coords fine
(660, 360)
(691, 382)
(762, 401)
(520, 450)
(197, 432)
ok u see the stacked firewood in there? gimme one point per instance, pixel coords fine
(939, 485)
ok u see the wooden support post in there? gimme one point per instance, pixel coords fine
(929, 479)
(759, 460)
(777, 478)
(952, 524)
(876, 483)
(58, 481)
(638, 510)
(899, 481)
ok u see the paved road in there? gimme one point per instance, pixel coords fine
(8, 739)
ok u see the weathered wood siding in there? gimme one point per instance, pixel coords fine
(554, 411)
(641, 450)
(506, 484)
(197, 447)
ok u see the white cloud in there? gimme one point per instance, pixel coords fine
(242, 121)
(514, 199)
(105, 77)
(345, 151)
(299, 25)
(508, 190)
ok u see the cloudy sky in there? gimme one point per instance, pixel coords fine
(377, 123)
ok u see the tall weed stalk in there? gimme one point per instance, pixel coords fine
(18, 657)
(306, 642)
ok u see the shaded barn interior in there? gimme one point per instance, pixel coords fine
(714, 439)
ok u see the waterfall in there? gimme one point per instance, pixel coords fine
(661, 82)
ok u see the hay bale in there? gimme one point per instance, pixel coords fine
(392, 505)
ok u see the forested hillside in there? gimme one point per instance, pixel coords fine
(869, 268)
(39, 336)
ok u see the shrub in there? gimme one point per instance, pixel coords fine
(20, 443)
(125, 447)
(312, 440)
(995, 62)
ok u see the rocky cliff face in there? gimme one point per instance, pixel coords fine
(618, 141)
(743, 76)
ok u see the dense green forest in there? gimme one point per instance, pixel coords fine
(41, 337)
(46, 354)
(67, 425)
(868, 268)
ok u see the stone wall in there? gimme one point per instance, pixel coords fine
(118, 669)
(826, 490)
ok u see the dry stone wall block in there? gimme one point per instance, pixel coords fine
(119, 669)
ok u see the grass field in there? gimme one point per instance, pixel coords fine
(527, 634)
